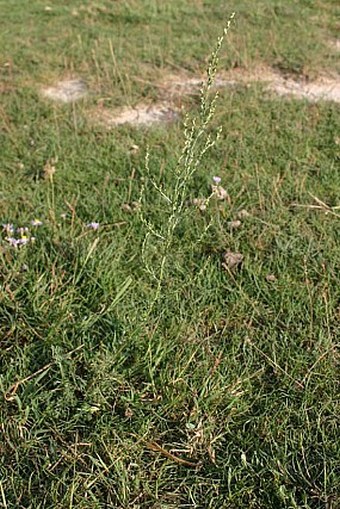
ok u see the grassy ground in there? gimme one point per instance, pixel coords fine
(235, 372)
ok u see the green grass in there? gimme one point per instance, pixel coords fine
(230, 371)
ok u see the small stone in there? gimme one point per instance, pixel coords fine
(131, 207)
(232, 261)
(134, 149)
(128, 413)
(135, 206)
(271, 278)
(220, 193)
(49, 169)
(126, 207)
(233, 225)
(242, 214)
(200, 203)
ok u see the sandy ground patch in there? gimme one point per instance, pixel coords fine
(335, 44)
(140, 115)
(176, 86)
(324, 89)
(66, 91)
(327, 88)
(173, 87)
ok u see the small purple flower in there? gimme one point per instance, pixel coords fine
(23, 241)
(36, 222)
(12, 241)
(19, 242)
(22, 230)
(8, 227)
(93, 225)
(217, 180)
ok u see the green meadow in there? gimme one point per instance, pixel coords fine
(169, 293)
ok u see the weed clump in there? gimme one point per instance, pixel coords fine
(197, 142)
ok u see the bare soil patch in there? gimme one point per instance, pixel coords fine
(175, 86)
(324, 89)
(66, 91)
(139, 115)
(335, 44)
(181, 84)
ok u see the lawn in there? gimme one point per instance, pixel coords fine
(138, 367)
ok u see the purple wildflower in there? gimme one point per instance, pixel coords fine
(22, 230)
(12, 241)
(36, 222)
(217, 180)
(8, 227)
(23, 241)
(93, 225)
(19, 242)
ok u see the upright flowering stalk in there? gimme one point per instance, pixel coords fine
(197, 141)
